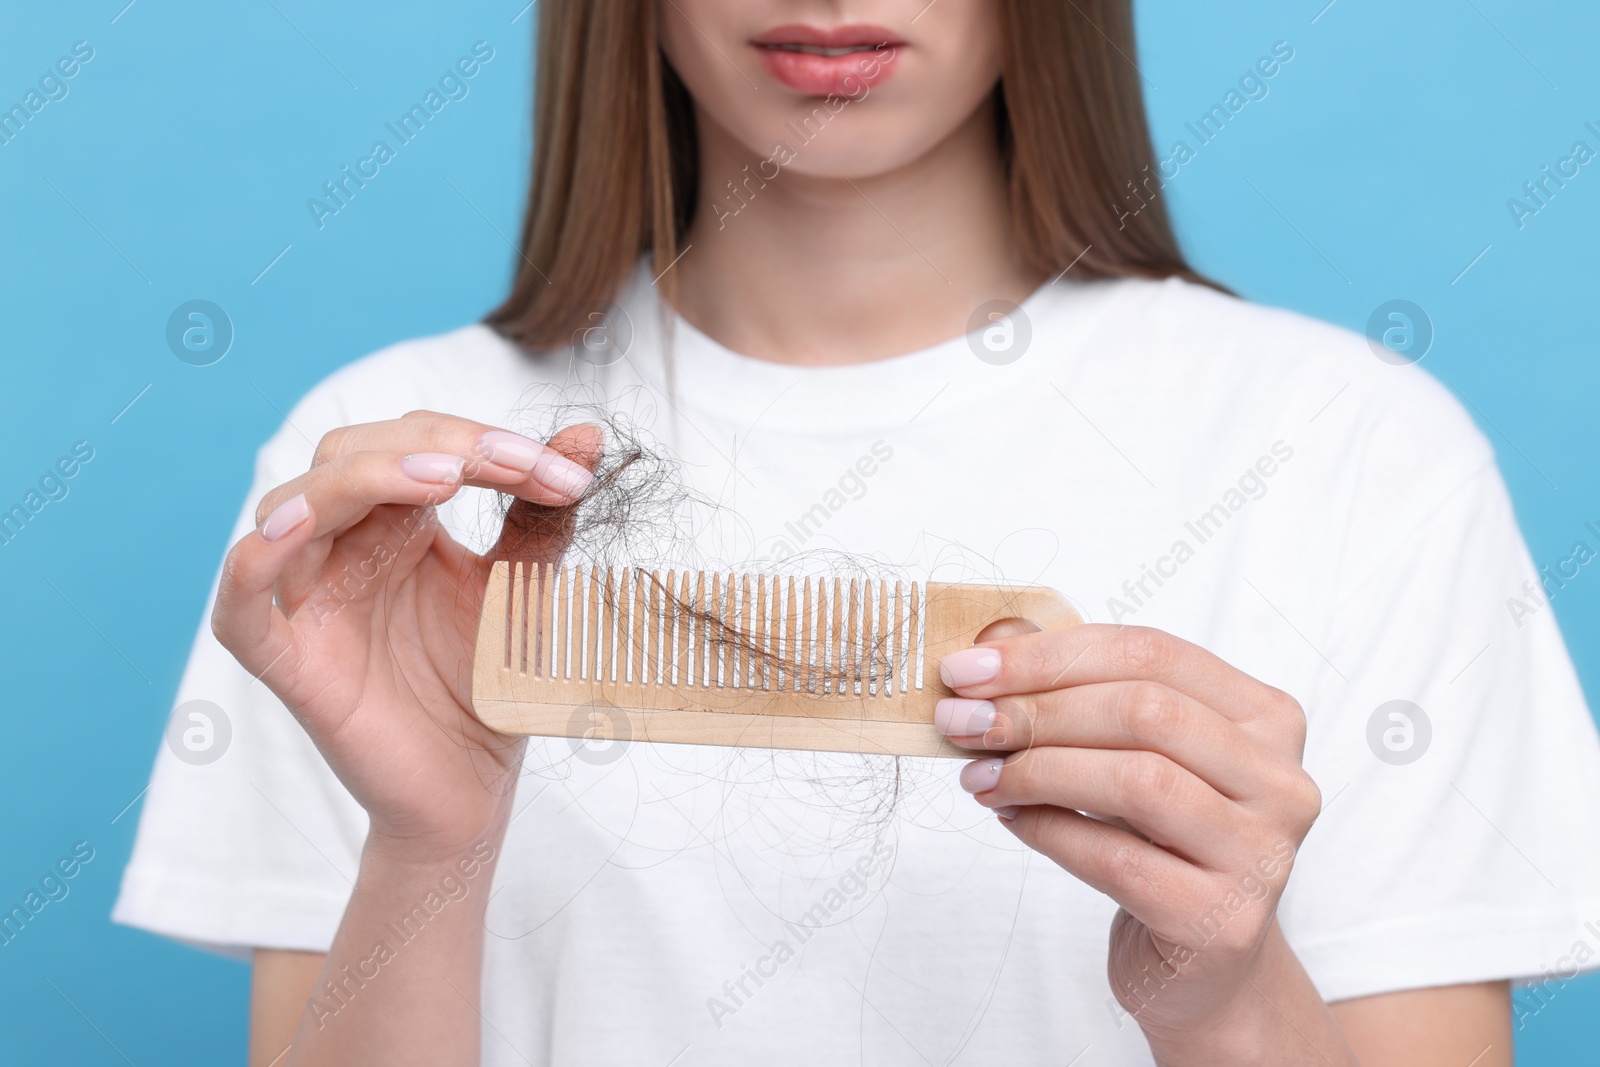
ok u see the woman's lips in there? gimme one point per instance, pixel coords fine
(839, 61)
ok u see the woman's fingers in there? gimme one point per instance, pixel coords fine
(342, 491)
(1114, 715)
(492, 458)
(1151, 884)
(332, 498)
(537, 532)
(332, 573)
(1095, 652)
(246, 620)
(404, 467)
(582, 443)
(1157, 797)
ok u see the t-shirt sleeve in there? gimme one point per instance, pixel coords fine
(248, 840)
(1458, 763)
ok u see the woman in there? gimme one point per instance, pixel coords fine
(907, 290)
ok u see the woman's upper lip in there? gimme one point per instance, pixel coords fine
(853, 36)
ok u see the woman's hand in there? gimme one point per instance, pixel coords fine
(354, 606)
(1165, 778)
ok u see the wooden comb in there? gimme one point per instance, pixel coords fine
(827, 664)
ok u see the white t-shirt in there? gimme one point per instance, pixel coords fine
(1248, 479)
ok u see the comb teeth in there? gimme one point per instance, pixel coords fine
(631, 627)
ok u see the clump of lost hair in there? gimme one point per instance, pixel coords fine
(641, 513)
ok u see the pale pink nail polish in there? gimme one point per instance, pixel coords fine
(557, 472)
(982, 775)
(509, 449)
(970, 666)
(959, 717)
(1008, 813)
(436, 468)
(285, 518)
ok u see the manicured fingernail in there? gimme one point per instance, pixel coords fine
(434, 467)
(959, 717)
(1008, 813)
(285, 517)
(970, 666)
(980, 776)
(555, 471)
(551, 469)
(509, 449)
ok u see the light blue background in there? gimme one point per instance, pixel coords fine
(178, 168)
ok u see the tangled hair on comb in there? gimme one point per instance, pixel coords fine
(641, 512)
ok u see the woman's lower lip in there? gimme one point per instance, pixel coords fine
(814, 75)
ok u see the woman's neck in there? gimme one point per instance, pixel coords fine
(806, 270)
